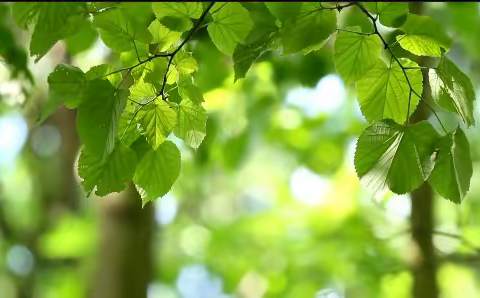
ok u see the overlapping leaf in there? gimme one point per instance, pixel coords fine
(157, 120)
(191, 124)
(162, 36)
(98, 115)
(103, 71)
(309, 30)
(424, 36)
(393, 155)
(354, 54)
(119, 31)
(110, 174)
(452, 90)
(392, 14)
(68, 82)
(53, 22)
(231, 25)
(383, 92)
(453, 167)
(176, 15)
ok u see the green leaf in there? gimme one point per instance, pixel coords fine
(453, 167)
(109, 175)
(180, 9)
(177, 24)
(383, 92)
(141, 147)
(309, 30)
(128, 129)
(157, 171)
(142, 92)
(130, 59)
(118, 30)
(176, 15)
(157, 120)
(452, 90)
(155, 72)
(392, 14)
(393, 155)
(187, 90)
(355, 54)
(231, 25)
(54, 22)
(50, 106)
(163, 36)
(284, 10)
(99, 72)
(82, 40)
(191, 124)
(263, 37)
(424, 36)
(25, 13)
(68, 82)
(184, 62)
(98, 115)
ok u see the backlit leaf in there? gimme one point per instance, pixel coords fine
(452, 90)
(157, 171)
(231, 25)
(393, 155)
(355, 54)
(453, 167)
(383, 92)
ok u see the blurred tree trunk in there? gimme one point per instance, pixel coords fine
(422, 217)
(124, 263)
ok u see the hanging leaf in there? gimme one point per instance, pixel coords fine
(192, 119)
(452, 90)
(157, 120)
(383, 92)
(98, 115)
(453, 167)
(393, 155)
(109, 175)
(69, 83)
(157, 171)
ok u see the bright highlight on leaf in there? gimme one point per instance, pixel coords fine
(126, 110)
(400, 157)
(452, 90)
(424, 36)
(157, 120)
